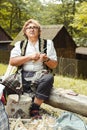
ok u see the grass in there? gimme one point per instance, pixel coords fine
(77, 85)
(3, 68)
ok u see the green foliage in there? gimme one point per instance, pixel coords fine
(3, 68)
(15, 13)
(80, 23)
(70, 13)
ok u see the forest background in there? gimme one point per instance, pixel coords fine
(70, 13)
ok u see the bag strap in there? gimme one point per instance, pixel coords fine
(43, 45)
(43, 48)
(23, 46)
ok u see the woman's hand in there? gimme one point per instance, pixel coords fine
(43, 57)
(35, 56)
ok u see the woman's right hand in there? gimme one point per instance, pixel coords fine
(35, 56)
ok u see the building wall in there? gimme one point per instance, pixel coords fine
(65, 52)
(4, 56)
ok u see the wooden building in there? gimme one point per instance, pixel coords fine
(5, 46)
(63, 42)
(81, 56)
(81, 53)
(5, 40)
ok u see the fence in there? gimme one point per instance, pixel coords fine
(72, 67)
(66, 66)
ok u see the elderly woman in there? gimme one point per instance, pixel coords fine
(33, 63)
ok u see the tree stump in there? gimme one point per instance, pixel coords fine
(14, 104)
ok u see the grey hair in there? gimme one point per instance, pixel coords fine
(31, 21)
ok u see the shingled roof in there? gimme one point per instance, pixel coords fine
(47, 32)
(4, 37)
(50, 31)
(81, 50)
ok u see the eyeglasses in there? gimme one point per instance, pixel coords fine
(32, 27)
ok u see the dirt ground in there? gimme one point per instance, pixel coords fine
(48, 121)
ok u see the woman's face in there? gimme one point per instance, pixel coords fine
(32, 31)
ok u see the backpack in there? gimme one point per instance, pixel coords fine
(70, 121)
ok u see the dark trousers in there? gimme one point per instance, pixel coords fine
(42, 87)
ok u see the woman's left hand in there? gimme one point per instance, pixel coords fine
(43, 57)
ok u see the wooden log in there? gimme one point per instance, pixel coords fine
(60, 98)
(68, 100)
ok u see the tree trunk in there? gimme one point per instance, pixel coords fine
(68, 100)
